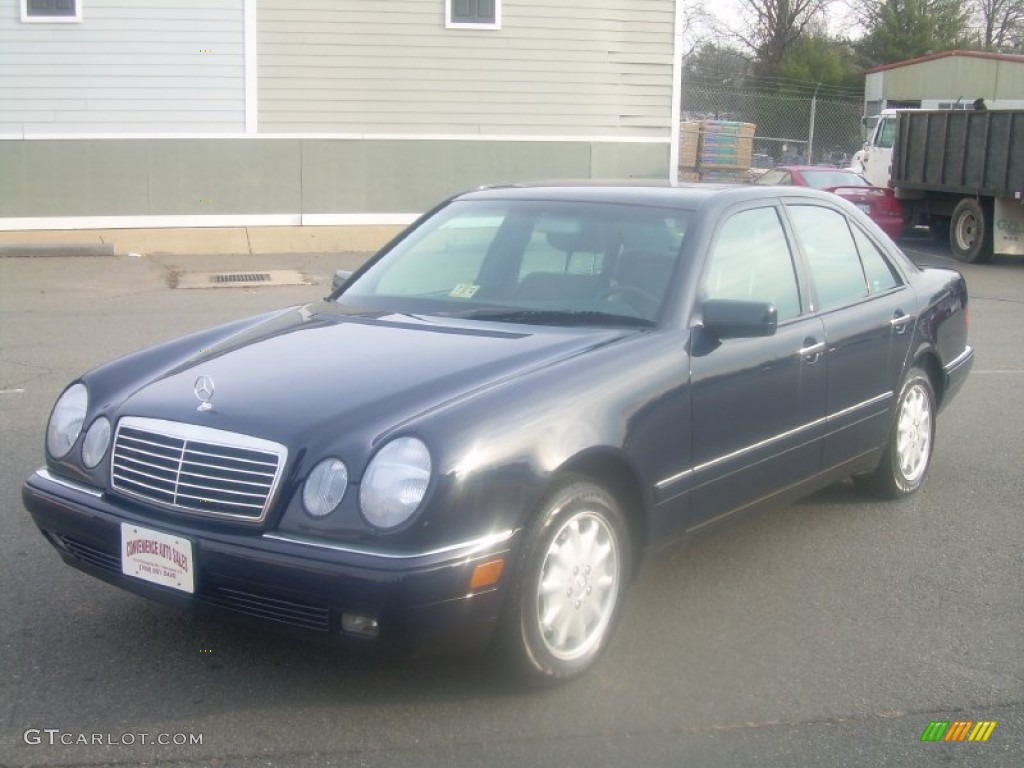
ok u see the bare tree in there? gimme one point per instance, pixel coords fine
(1000, 24)
(769, 28)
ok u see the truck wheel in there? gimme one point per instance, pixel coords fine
(970, 231)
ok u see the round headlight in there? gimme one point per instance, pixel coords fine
(66, 420)
(325, 487)
(97, 439)
(395, 482)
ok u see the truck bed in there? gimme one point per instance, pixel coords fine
(968, 152)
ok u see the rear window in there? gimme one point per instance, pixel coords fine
(825, 179)
(772, 178)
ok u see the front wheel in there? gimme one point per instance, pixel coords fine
(911, 439)
(566, 595)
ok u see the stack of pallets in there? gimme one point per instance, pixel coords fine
(715, 150)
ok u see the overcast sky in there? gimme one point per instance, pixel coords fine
(728, 13)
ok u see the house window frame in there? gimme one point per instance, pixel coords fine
(450, 24)
(27, 18)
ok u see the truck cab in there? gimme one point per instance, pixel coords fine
(877, 158)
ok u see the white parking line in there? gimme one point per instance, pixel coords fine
(11, 391)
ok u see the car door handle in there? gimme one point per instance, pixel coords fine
(900, 321)
(812, 350)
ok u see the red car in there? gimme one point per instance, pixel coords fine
(877, 202)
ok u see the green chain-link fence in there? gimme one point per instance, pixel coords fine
(790, 129)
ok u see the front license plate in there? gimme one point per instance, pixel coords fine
(157, 557)
(866, 207)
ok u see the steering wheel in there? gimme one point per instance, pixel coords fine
(642, 303)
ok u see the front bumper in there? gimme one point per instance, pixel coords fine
(421, 601)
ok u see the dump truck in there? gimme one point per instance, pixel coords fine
(960, 172)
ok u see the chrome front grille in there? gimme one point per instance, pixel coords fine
(198, 470)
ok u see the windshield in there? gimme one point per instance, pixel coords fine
(826, 179)
(544, 262)
(886, 136)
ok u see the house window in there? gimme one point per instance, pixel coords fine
(473, 14)
(50, 11)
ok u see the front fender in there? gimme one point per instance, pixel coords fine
(619, 414)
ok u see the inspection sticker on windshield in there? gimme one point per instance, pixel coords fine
(464, 291)
(157, 557)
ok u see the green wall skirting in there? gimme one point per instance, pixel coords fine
(163, 177)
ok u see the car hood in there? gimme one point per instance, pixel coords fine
(321, 368)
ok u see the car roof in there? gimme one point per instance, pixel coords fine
(631, 192)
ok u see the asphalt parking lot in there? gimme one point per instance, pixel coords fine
(830, 632)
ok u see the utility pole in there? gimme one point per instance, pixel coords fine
(810, 132)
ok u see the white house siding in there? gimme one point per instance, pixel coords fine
(131, 66)
(569, 68)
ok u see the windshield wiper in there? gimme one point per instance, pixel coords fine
(557, 317)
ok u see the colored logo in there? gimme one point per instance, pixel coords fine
(958, 730)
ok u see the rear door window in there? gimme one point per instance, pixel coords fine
(832, 256)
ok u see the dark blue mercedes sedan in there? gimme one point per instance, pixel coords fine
(479, 437)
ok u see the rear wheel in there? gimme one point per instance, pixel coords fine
(908, 453)
(567, 593)
(970, 233)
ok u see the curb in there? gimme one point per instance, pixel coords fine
(35, 250)
(197, 240)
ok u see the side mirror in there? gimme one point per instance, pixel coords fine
(728, 319)
(340, 278)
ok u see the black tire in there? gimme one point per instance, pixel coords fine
(590, 580)
(908, 452)
(970, 231)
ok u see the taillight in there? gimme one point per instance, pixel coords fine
(891, 205)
